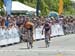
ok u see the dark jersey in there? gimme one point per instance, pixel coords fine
(46, 27)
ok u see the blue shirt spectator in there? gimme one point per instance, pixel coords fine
(6, 23)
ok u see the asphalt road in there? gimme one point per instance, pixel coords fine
(59, 46)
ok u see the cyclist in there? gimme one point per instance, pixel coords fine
(46, 29)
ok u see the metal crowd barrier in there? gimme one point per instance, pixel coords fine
(69, 28)
(9, 36)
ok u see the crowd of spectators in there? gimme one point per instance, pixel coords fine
(7, 22)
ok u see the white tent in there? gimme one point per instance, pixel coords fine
(73, 0)
(17, 6)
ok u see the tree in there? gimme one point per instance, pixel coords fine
(48, 5)
(67, 4)
(43, 7)
(1, 3)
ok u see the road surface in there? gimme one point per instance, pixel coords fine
(59, 46)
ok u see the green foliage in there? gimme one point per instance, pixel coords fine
(1, 3)
(49, 5)
(67, 4)
(43, 7)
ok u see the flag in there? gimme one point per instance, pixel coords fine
(60, 7)
(8, 5)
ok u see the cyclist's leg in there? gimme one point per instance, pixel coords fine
(30, 38)
(28, 45)
(47, 36)
(46, 42)
(46, 39)
(31, 34)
